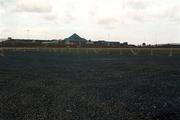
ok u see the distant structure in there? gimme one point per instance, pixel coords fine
(75, 40)
(10, 42)
(72, 41)
(100, 43)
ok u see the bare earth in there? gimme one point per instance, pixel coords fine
(88, 84)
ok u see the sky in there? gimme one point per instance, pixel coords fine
(133, 21)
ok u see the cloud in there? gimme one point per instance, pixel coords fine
(50, 17)
(166, 14)
(1, 4)
(36, 6)
(68, 18)
(137, 15)
(154, 12)
(107, 21)
(138, 4)
(172, 13)
(94, 16)
(91, 13)
(5, 5)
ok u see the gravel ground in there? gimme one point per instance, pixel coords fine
(57, 86)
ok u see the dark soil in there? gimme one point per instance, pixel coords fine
(56, 86)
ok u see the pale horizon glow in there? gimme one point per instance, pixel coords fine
(132, 21)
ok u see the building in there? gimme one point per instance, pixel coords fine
(50, 43)
(75, 41)
(100, 43)
(103, 43)
(23, 42)
(113, 44)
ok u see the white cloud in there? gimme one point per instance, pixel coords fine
(50, 17)
(138, 4)
(172, 14)
(151, 11)
(1, 4)
(107, 21)
(95, 17)
(68, 18)
(37, 6)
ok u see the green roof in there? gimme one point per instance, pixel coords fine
(75, 37)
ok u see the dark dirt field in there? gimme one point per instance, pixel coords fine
(64, 86)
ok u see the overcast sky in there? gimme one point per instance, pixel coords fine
(134, 21)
